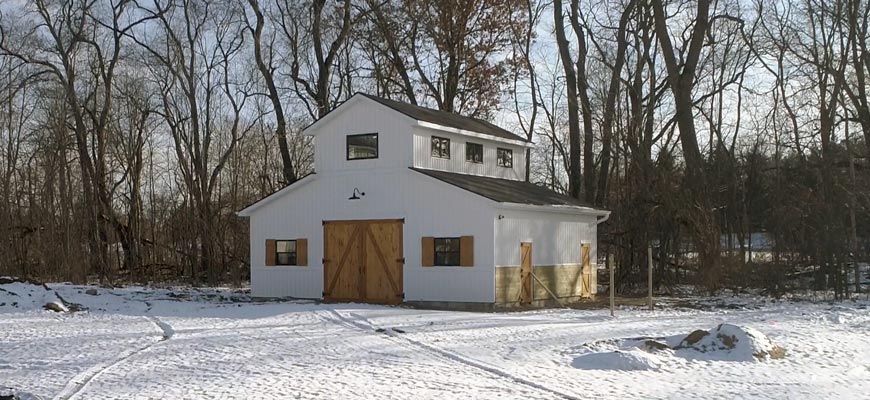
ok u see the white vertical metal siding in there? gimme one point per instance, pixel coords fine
(429, 206)
(555, 237)
(456, 163)
(364, 116)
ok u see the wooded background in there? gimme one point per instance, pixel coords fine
(133, 130)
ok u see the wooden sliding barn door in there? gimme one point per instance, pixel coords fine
(525, 273)
(586, 265)
(342, 244)
(363, 261)
(382, 252)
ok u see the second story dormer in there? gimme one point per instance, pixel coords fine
(370, 133)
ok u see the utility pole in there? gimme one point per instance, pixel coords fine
(649, 276)
(612, 285)
(852, 205)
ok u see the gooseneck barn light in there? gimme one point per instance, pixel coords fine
(354, 195)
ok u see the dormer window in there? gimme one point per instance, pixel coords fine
(362, 147)
(504, 157)
(474, 153)
(440, 147)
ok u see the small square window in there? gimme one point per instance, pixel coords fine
(440, 147)
(362, 147)
(285, 252)
(447, 251)
(474, 153)
(505, 158)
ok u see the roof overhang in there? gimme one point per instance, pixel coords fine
(555, 208)
(249, 210)
(442, 128)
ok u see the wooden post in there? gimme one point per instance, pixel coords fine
(649, 256)
(852, 205)
(612, 285)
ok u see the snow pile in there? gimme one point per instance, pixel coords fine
(859, 371)
(839, 317)
(18, 295)
(852, 315)
(630, 360)
(729, 342)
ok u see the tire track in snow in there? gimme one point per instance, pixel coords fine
(367, 326)
(78, 384)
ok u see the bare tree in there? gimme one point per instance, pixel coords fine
(204, 101)
(449, 51)
(571, 82)
(681, 76)
(314, 34)
(609, 111)
(268, 70)
(526, 110)
(78, 43)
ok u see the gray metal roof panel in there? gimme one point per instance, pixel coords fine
(448, 119)
(505, 190)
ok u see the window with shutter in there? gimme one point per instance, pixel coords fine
(285, 252)
(448, 251)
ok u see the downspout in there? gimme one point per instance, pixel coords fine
(599, 222)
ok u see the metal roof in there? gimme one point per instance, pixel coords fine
(505, 190)
(447, 119)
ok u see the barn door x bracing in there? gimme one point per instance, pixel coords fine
(363, 261)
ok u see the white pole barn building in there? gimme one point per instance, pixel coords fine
(415, 205)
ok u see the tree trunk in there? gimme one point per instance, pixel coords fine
(574, 175)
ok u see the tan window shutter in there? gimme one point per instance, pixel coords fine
(302, 252)
(466, 251)
(428, 251)
(271, 252)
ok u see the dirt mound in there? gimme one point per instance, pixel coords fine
(729, 342)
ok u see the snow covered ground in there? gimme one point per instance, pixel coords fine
(184, 343)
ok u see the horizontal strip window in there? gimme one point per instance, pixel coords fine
(362, 147)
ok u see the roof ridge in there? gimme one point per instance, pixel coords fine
(442, 118)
